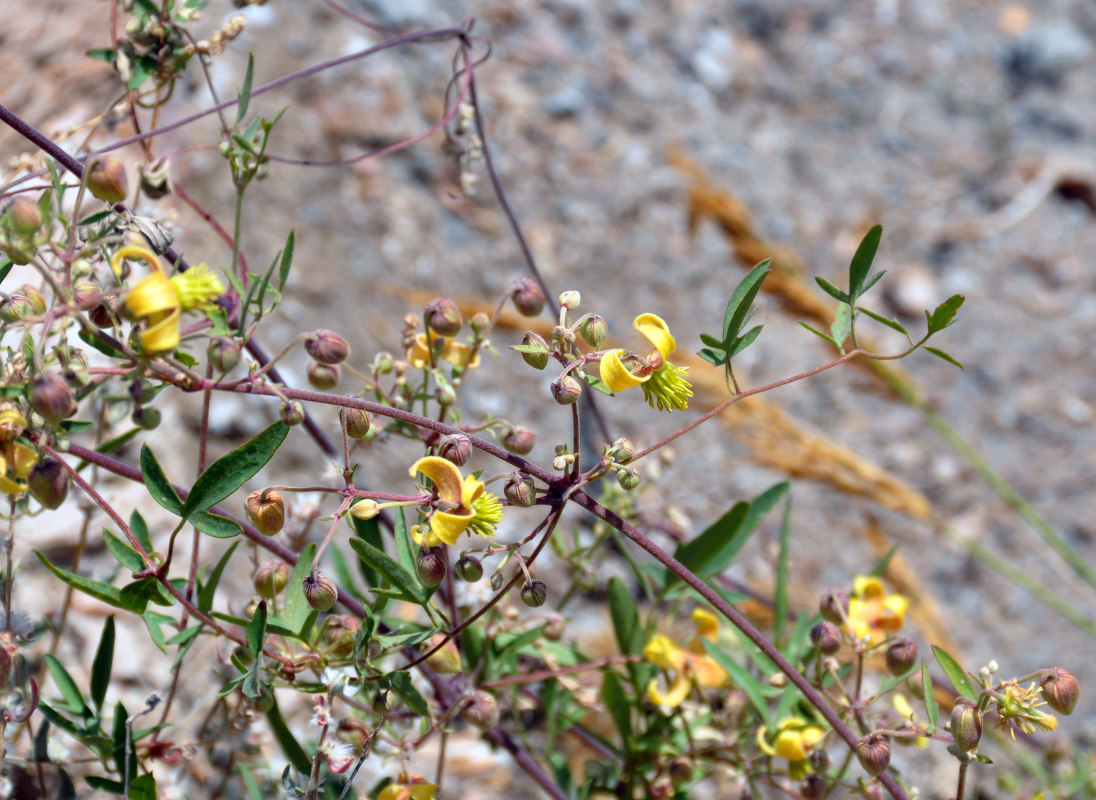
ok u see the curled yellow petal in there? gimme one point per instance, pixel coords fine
(664, 652)
(868, 587)
(23, 459)
(449, 525)
(676, 695)
(709, 673)
(707, 624)
(461, 355)
(617, 376)
(444, 475)
(657, 332)
(155, 301)
(135, 251)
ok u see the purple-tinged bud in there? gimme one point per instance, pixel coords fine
(292, 413)
(51, 397)
(469, 568)
(320, 591)
(520, 491)
(48, 482)
(266, 511)
(23, 216)
(966, 725)
(593, 330)
(813, 787)
(534, 594)
(528, 298)
(37, 301)
(326, 346)
(443, 317)
(104, 315)
(338, 633)
(901, 655)
(455, 448)
(15, 307)
(826, 637)
(1061, 690)
(622, 451)
(146, 418)
(554, 628)
(323, 377)
(85, 292)
(155, 178)
(834, 606)
(628, 478)
(431, 566)
(874, 752)
(482, 711)
(566, 390)
(106, 178)
(271, 578)
(538, 358)
(479, 322)
(445, 661)
(357, 423)
(519, 441)
(224, 353)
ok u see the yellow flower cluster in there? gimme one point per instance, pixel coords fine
(685, 664)
(16, 459)
(457, 354)
(874, 614)
(793, 741)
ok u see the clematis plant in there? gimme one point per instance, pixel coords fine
(460, 504)
(664, 385)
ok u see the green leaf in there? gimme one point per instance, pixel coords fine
(70, 692)
(101, 666)
(407, 586)
(139, 528)
(862, 260)
(97, 589)
(719, 537)
(143, 787)
(286, 260)
(626, 624)
(124, 552)
(209, 588)
(368, 530)
(157, 483)
(820, 335)
(228, 473)
(892, 323)
(713, 358)
(781, 599)
(296, 610)
(944, 314)
(292, 750)
(215, 525)
(832, 291)
(155, 622)
(870, 282)
(941, 354)
(741, 301)
(741, 677)
(256, 631)
(744, 341)
(842, 325)
(617, 702)
(932, 708)
(955, 674)
(245, 89)
(401, 685)
(105, 54)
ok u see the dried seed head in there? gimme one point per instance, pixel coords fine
(320, 591)
(834, 606)
(266, 510)
(901, 655)
(455, 448)
(106, 178)
(528, 298)
(431, 566)
(339, 633)
(826, 637)
(326, 346)
(519, 441)
(966, 725)
(48, 482)
(443, 317)
(482, 711)
(155, 178)
(469, 568)
(519, 491)
(323, 377)
(874, 752)
(534, 594)
(271, 578)
(1061, 690)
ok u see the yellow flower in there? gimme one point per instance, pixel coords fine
(1017, 708)
(664, 385)
(872, 612)
(462, 504)
(408, 791)
(158, 300)
(903, 707)
(457, 354)
(16, 461)
(794, 740)
(685, 664)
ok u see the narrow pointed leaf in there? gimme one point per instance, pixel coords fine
(713, 358)
(124, 552)
(402, 685)
(406, 585)
(616, 701)
(832, 290)
(209, 587)
(862, 260)
(744, 341)
(954, 673)
(941, 354)
(157, 483)
(245, 89)
(891, 323)
(944, 314)
(820, 335)
(932, 708)
(718, 543)
(296, 610)
(256, 631)
(870, 282)
(101, 666)
(139, 528)
(626, 625)
(228, 473)
(215, 525)
(97, 589)
(741, 302)
(286, 260)
(74, 700)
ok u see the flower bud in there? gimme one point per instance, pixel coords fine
(23, 216)
(264, 701)
(528, 298)
(37, 301)
(431, 566)
(326, 346)
(834, 606)
(320, 591)
(455, 448)
(51, 397)
(520, 491)
(873, 752)
(554, 628)
(622, 451)
(146, 418)
(224, 353)
(681, 771)
(534, 594)
(966, 725)
(266, 511)
(826, 637)
(483, 711)
(537, 358)
(566, 390)
(365, 509)
(628, 478)
(271, 577)
(443, 317)
(292, 413)
(496, 581)
(1061, 690)
(479, 322)
(155, 178)
(901, 655)
(813, 787)
(357, 423)
(383, 363)
(86, 293)
(570, 299)
(593, 330)
(446, 660)
(469, 568)
(519, 440)
(339, 633)
(48, 482)
(15, 307)
(323, 377)
(105, 178)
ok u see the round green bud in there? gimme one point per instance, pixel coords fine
(534, 594)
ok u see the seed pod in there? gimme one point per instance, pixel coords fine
(51, 397)
(1061, 690)
(106, 178)
(593, 330)
(537, 359)
(271, 578)
(264, 702)
(534, 594)
(469, 568)
(292, 413)
(455, 448)
(357, 423)
(443, 317)
(496, 581)
(48, 482)
(901, 655)
(566, 390)
(482, 711)
(520, 491)
(224, 353)
(431, 566)
(826, 637)
(813, 787)
(320, 591)
(519, 441)
(266, 510)
(326, 346)
(528, 298)
(323, 377)
(834, 606)
(966, 725)
(873, 752)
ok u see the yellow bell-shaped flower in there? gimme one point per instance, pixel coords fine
(664, 385)
(462, 504)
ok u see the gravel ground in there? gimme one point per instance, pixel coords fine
(936, 119)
